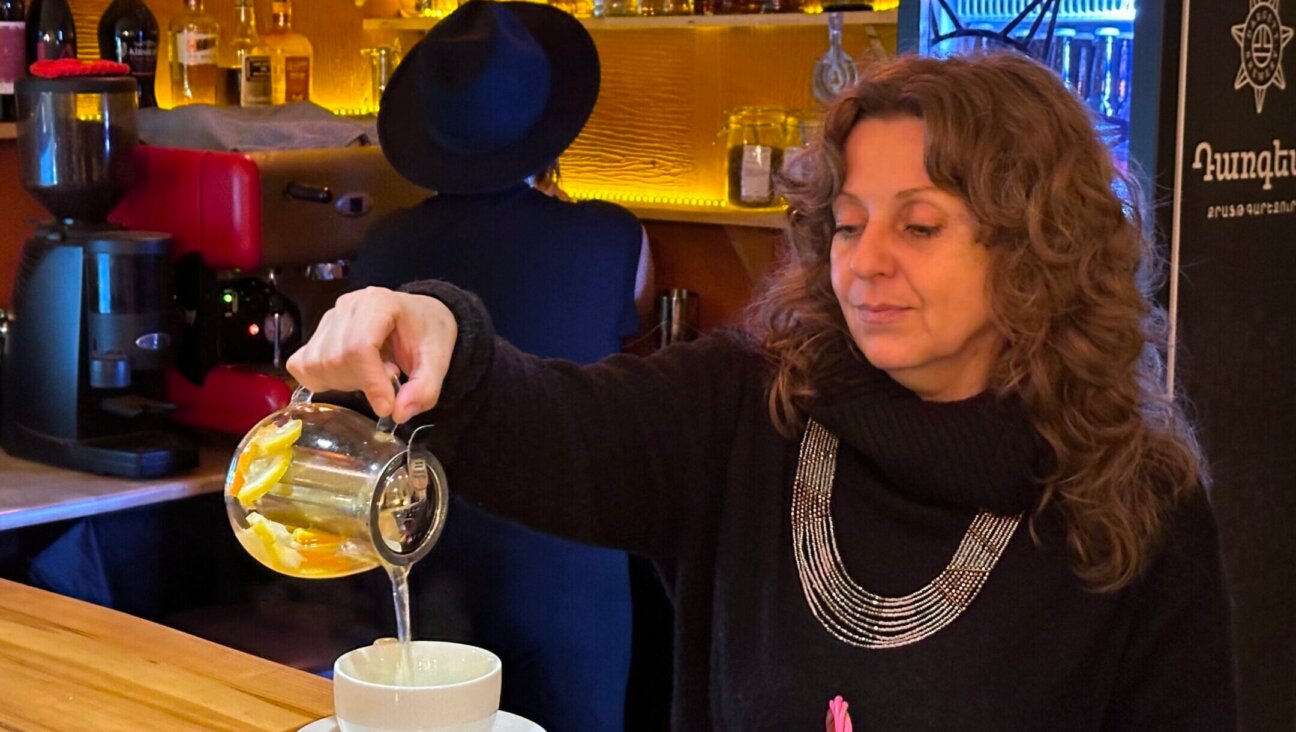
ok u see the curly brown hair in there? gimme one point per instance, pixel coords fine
(1072, 270)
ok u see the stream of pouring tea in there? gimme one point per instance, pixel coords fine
(400, 598)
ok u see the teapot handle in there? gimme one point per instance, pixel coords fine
(424, 468)
(302, 395)
(428, 478)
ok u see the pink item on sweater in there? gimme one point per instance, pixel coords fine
(838, 719)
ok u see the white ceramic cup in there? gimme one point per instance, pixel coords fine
(453, 688)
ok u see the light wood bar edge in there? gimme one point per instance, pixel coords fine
(33, 493)
(69, 665)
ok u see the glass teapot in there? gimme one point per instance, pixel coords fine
(318, 491)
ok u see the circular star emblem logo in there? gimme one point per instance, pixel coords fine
(1262, 39)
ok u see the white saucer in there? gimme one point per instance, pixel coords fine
(504, 722)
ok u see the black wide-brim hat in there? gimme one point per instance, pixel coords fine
(493, 94)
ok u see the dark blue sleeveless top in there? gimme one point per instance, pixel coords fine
(556, 277)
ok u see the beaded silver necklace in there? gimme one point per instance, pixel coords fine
(851, 613)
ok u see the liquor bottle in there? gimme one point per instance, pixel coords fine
(291, 56)
(245, 62)
(128, 34)
(51, 33)
(13, 55)
(194, 37)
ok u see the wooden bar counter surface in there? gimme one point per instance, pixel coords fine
(35, 493)
(69, 665)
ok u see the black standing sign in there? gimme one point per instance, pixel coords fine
(1235, 237)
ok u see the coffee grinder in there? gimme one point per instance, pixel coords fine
(91, 327)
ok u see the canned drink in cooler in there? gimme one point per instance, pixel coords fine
(1124, 76)
(1084, 66)
(1062, 55)
(1107, 71)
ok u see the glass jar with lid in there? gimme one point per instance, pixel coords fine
(665, 7)
(755, 155)
(800, 128)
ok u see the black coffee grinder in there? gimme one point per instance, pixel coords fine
(90, 331)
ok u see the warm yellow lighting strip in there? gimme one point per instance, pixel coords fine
(652, 199)
(354, 111)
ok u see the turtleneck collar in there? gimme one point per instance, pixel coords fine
(980, 452)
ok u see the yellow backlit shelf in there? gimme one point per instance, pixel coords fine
(854, 17)
(8, 130)
(717, 215)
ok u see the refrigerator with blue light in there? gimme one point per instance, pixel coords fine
(1089, 43)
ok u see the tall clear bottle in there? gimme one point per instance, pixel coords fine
(291, 56)
(245, 61)
(194, 38)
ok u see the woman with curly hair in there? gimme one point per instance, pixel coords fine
(938, 476)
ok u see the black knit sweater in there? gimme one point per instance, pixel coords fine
(674, 457)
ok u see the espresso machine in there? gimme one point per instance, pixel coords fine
(91, 331)
(260, 248)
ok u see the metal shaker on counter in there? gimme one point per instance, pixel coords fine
(677, 316)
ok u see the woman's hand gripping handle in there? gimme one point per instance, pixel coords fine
(368, 336)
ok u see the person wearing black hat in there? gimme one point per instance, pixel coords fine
(490, 97)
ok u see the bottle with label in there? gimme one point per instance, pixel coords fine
(128, 34)
(291, 56)
(51, 32)
(13, 55)
(193, 37)
(245, 62)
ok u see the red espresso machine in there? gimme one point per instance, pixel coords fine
(260, 245)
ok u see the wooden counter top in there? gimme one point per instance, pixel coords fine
(69, 665)
(34, 493)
